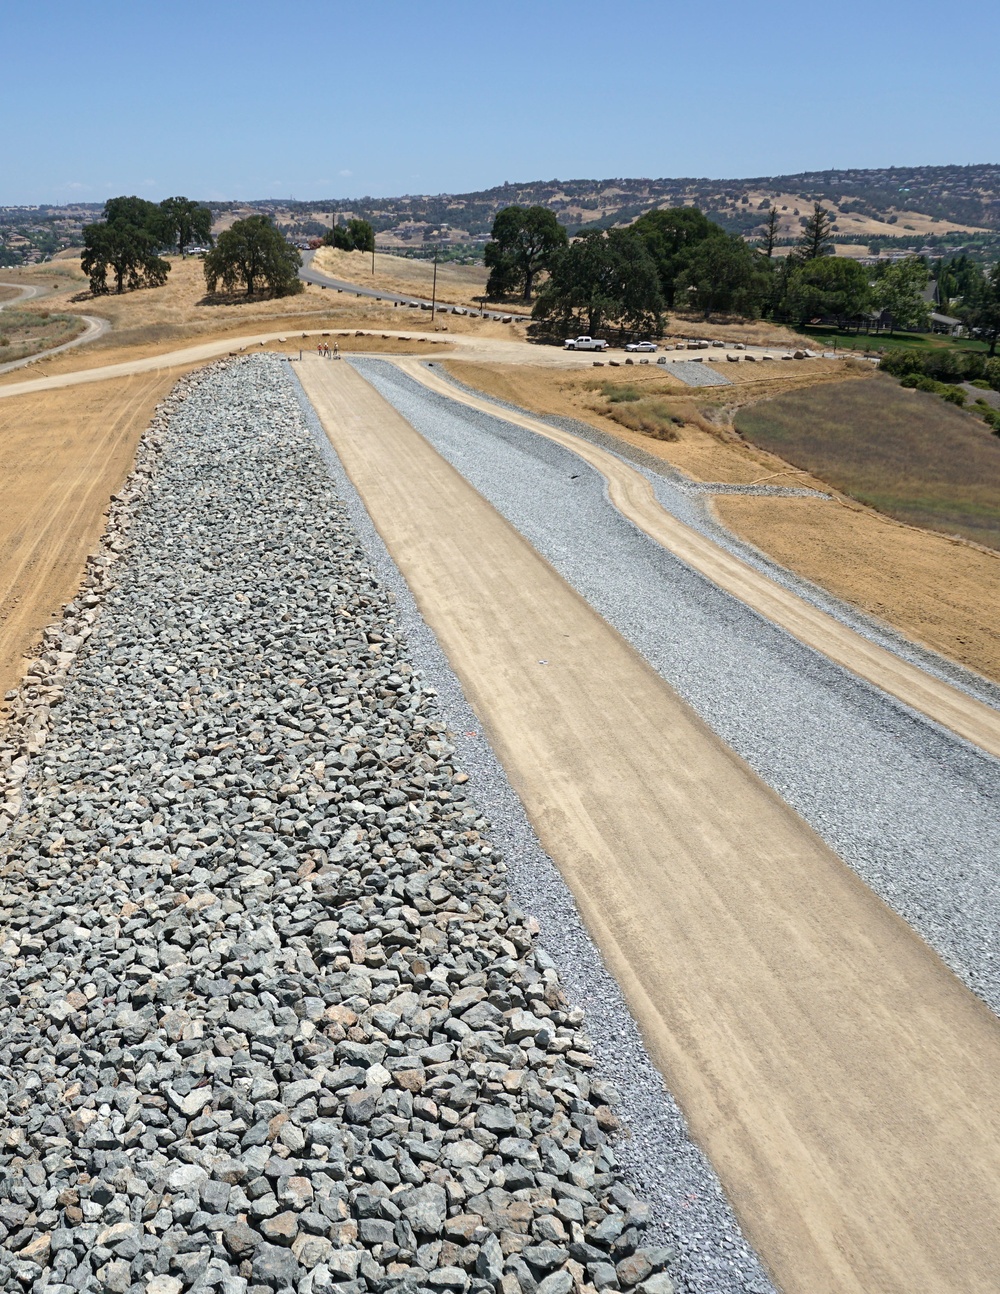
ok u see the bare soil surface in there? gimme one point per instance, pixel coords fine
(936, 590)
(62, 456)
(633, 496)
(840, 1078)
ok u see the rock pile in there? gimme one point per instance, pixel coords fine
(269, 1018)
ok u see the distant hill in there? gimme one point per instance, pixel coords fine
(932, 208)
(922, 202)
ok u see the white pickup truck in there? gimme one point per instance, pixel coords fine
(585, 343)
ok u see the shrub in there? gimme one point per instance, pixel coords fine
(621, 394)
(954, 395)
(901, 362)
(991, 372)
(982, 384)
(653, 417)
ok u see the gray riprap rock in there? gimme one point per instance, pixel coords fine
(268, 1014)
(275, 1266)
(560, 1282)
(489, 1260)
(425, 1209)
(239, 1239)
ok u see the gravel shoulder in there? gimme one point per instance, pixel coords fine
(816, 1045)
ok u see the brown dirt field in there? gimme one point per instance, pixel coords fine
(839, 1076)
(940, 592)
(8, 294)
(62, 456)
(349, 343)
(456, 284)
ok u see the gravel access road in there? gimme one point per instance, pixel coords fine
(310, 275)
(875, 780)
(269, 1018)
(818, 1048)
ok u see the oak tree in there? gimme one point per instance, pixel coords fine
(184, 222)
(524, 241)
(250, 252)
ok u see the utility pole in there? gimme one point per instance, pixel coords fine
(434, 288)
(373, 257)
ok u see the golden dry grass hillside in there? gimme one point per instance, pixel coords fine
(153, 321)
(456, 284)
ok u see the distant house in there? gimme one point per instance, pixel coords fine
(946, 324)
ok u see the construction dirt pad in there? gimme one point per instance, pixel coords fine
(840, 1078)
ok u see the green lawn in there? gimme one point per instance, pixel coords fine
(829, 336)
(906, 453)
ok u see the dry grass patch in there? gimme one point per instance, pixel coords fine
(647, 407)
(154, 321)
(905, 453)
(25, 332)
(757, 332)
(935, 590)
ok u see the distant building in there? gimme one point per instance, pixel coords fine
(946, 324)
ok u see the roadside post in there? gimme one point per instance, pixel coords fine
(434, 287)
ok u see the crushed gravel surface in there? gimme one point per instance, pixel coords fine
(694, 373)
(270, 1017)
(912, 808)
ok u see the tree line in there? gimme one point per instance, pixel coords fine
(127, 242)
(679, 259)
(354, 236)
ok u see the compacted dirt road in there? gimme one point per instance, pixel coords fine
(839, 1076)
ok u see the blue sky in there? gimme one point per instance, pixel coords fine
(221, 99)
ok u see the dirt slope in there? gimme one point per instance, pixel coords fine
(62, 456)
(936, 590)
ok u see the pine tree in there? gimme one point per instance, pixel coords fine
(771, 232)
(815, 240)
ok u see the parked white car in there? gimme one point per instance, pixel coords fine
(586, 343)
(645, 346)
